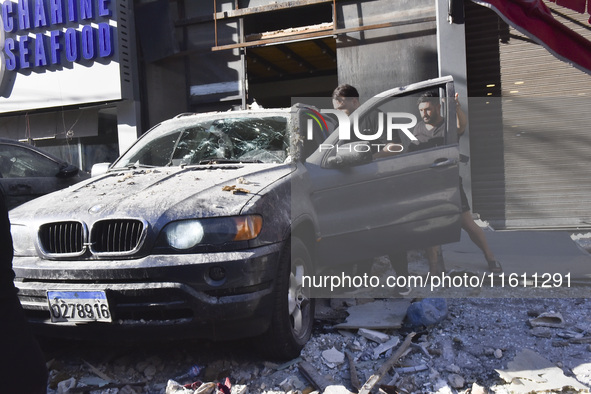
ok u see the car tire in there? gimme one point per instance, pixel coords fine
(293, 309)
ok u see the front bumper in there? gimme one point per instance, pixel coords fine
(163, 295)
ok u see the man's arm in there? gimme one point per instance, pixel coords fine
(461, 116)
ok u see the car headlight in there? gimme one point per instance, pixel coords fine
(22, 240)
(186, 234)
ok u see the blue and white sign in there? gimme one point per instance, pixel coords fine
(58, 52)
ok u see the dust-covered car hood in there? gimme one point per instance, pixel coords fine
(153, 193)
(190, 166)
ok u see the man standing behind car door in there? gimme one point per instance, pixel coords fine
(430, 132)
(346, 98)
(22, 363)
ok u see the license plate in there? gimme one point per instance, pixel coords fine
(78, 306)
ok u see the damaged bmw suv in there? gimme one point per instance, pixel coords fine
(208, 224)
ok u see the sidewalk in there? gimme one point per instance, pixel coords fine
(521, 252)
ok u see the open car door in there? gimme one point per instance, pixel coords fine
(366, 205)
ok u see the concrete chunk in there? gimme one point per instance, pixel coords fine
(373, 335)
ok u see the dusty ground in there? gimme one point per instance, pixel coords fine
(481, 334)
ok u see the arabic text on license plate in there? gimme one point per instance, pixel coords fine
(78, 306)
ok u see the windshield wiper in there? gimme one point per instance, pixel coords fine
(137, 165)
(134, 166)
(225, 161)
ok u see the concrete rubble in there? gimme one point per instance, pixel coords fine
(530, 372)
(484, 345)
(466, 353)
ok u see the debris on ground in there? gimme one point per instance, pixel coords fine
(427, 311)
(548, 319)
(497, 344)
(530, 372)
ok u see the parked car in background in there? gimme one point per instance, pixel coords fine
(27, 172)
(208, 224)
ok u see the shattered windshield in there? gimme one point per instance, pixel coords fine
(190, 142)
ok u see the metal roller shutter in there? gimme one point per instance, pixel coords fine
(534, 171)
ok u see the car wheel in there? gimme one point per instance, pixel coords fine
(293, 310)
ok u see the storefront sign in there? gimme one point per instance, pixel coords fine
(41, 33)
(2, 61)
(62, 52)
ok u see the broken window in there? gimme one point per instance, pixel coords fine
(240, 139)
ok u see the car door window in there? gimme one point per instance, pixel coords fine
(17, 162)
(397, 120)
(408, 199)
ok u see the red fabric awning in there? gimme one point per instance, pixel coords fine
(534, 19)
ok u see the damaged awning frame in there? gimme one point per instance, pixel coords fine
(534, 19)
(305, 33)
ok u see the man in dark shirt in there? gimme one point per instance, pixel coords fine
(22, 364)
(430, 132)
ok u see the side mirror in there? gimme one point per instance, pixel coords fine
(68, 171)
(99, 169)
(350, 155)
